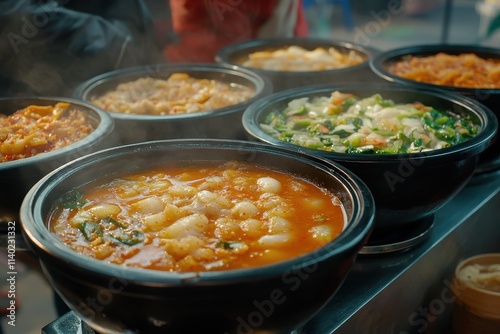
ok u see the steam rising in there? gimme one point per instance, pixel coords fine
(49, 47)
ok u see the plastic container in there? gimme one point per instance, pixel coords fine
(476, 287)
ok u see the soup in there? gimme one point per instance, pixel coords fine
(199, 217)
(40, 129)
(296, 58)
(178, 94)
(486, 277)
(345, 123)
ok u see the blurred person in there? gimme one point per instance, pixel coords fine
(418, 7)
(48, 47)
(205, 26)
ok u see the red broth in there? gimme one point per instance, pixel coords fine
(227, 216)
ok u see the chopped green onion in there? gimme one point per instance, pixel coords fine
(90, 230)
(72, 200)
(128, 238)
(228, 244)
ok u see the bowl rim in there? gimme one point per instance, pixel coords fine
(224, 55)
(354, 234)
(378, 64)
(488, 120)
(103, 129)
(263, 87)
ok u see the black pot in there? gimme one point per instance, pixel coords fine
(273, 299)
(236, 54)
(18, 176)
(408, 188)
(223, 123)
(490, 158)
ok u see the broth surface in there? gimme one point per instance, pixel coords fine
(345, 123)
(198, 218)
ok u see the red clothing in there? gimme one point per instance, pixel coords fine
(205, 26)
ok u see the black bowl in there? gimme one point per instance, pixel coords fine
(273, 299)
(223, 123)
(408, 188)
(18, 176)
(490, 159)
(236, 54)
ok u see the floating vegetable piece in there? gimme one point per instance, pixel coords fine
(91, 230)
(72, 200)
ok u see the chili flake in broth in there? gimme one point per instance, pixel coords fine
(207, 217)
(179, 94)
(40, 129)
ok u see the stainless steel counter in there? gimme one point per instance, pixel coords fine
(406, 292)
(409, 292)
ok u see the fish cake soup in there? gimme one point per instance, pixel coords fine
(198, 217)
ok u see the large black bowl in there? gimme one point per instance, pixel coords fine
(272, 299)
(236, 54)
(408, 188)
(18, 176)
(223, 123)
(490, 159)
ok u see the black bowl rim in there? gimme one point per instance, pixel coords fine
(223, 56)
(263, 87)
(104, 128)
(354, 235)
(488, 119)
(379, 61)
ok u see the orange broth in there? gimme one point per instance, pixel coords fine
(206, 217)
